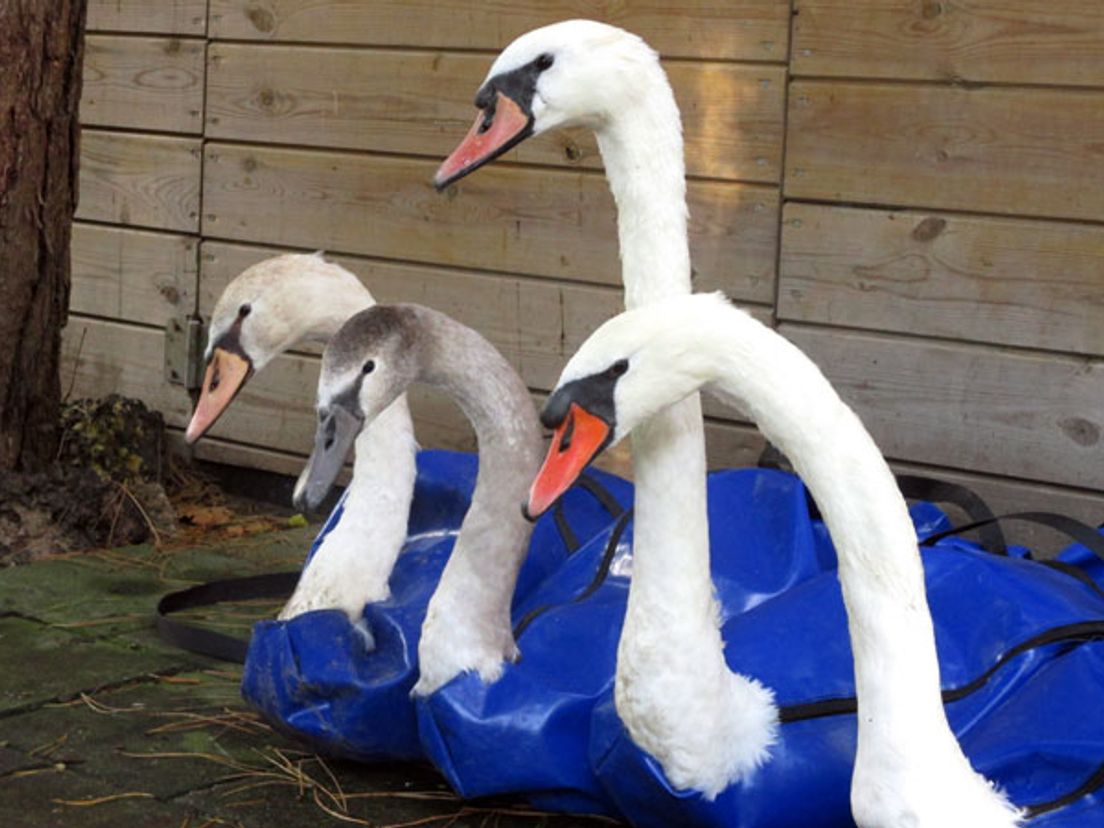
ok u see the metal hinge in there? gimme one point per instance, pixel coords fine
(184, 340)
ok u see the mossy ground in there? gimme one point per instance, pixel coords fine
(102, 724)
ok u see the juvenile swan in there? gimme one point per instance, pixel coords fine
(367, 365)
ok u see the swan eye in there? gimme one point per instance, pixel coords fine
(618, 368)
(244, 310)
(369, 367)
(545, 61)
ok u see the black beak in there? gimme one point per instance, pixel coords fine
(337, 431)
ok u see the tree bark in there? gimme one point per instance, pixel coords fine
(41, 52)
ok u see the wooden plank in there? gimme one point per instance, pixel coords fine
(739, 30)
(144, 180)
(1015, 41)
(143, 83)
(276, 410)
(1027, 283)
(555, 319)
(731, 445)
(978, 409)
(101, 357)
(727, 446)
(536, 325)
(1008, 151)
(541, 222)
(185, 17)
(485, 302)
(215, 450)
(420, 103)
(132, 275)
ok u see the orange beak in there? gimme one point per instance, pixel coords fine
(491, 135)
(577, 441)
(226, 374)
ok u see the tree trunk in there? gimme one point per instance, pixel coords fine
(41, 51)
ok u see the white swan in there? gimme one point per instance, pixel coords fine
(909, 770)
(265, 310)
(583, 73)
(370, 362)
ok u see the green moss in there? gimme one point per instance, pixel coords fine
(118, 438)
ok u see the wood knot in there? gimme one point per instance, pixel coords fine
(930, 9)
(572, 152)
(266, 98)
(262, 19)
(249, 164)
(1081, 431)
(929, 228)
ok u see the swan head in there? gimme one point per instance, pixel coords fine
(635, 365)
(263, 311)
(573, 73)
(368, 363)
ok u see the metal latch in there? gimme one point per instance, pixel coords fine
(184, 352)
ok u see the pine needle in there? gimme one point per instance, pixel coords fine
(100, 800)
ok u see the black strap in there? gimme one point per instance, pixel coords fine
(600, 493)
(1080, 532)
(1074, 529)
(1094, 782)
(918, 487)
(567, 534)
(1075, 572)
(600, 575)
(204, 641)
(1082, 631)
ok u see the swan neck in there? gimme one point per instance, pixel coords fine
(881, 576)
(494, 535)
(671, 621)
(643, 155)
(493, 398)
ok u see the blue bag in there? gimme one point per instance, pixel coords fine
(344, 689)
(984, 608)
(547, 730)
(528, 732)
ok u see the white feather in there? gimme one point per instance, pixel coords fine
(302, 297)
(909, 770)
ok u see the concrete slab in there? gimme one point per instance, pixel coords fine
(43, 664)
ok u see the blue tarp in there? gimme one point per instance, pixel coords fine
(547, 730)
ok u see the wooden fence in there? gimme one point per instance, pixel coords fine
(911, 190)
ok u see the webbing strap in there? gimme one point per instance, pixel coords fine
(204, 641)
(1082, 631)
(599, 576)
(1072, 528)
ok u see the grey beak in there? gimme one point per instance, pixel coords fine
(337, 431)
